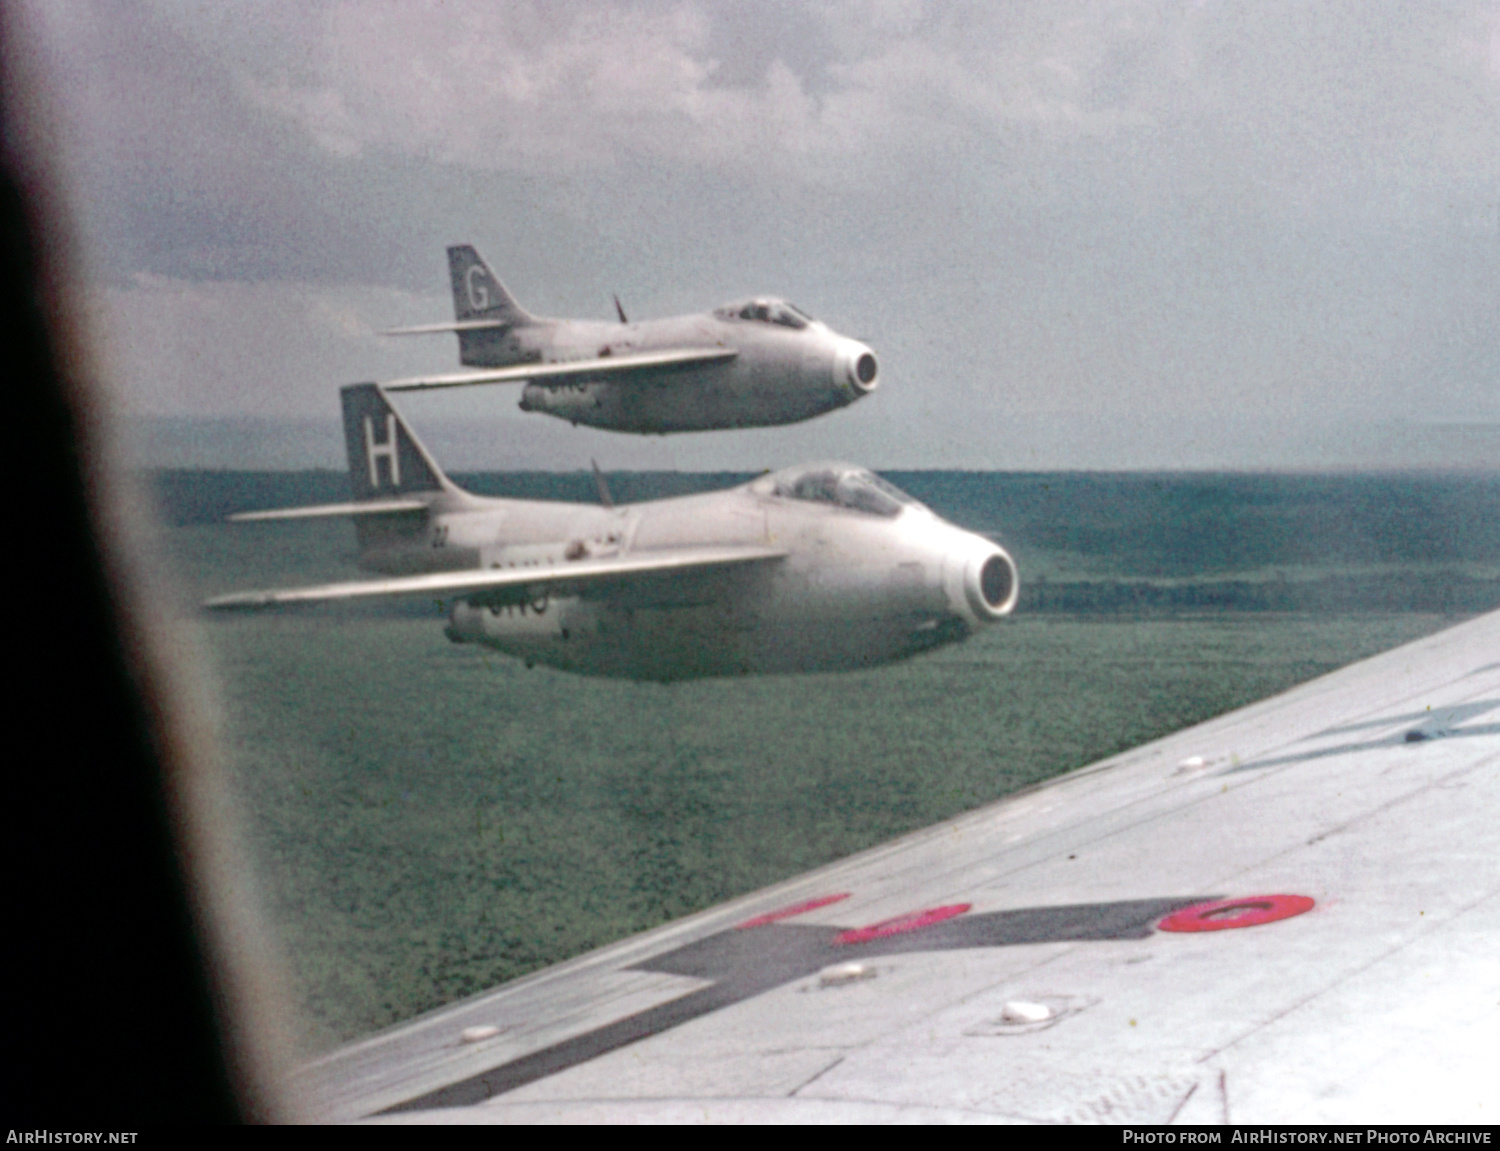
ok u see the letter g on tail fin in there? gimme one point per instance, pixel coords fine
(385, 456)
(477, 294)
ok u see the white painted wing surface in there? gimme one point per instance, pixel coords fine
(542, 577)
(625, 364)
(1054, 994)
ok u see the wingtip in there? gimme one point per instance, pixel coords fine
(240, 601)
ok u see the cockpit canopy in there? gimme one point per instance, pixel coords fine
(766, 310)
(846, 485)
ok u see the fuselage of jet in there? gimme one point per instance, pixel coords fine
(855, 588)
(756, 363)
(820, 567)
(778, 374)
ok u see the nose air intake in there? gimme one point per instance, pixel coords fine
(991, 586)
(857, 369)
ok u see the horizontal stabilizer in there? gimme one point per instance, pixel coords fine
(565, 575)
(434, 329)
(312, 511)
(623, 365)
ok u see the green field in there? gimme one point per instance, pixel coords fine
(429, 820)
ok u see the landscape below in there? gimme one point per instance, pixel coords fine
(430, 820)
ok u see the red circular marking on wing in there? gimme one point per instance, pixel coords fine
(1249, 911)
(788, 912)
(911, 921)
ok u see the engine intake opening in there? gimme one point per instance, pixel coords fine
(991, 585)
(996, 581)
(856, 370)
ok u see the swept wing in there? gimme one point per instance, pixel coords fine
(545, 577)
(625, 365)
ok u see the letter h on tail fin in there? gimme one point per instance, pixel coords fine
(385, 457)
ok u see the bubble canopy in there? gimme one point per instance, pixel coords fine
(766, 310)
(846, 485)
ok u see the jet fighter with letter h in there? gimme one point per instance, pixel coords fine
(822, 567)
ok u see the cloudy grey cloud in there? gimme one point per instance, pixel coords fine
(1098, 234)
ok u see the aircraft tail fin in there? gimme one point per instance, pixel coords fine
(478, 294)
(385, 457)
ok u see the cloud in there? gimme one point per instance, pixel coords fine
(561, 86)
(170, 346)
(1123, 210)
(1342, 109)
(1272, 103)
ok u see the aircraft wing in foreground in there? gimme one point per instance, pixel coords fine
(1287, 914)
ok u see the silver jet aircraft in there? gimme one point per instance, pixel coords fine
(750, 364)
(821, 567)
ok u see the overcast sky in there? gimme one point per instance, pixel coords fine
(1086, 234)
